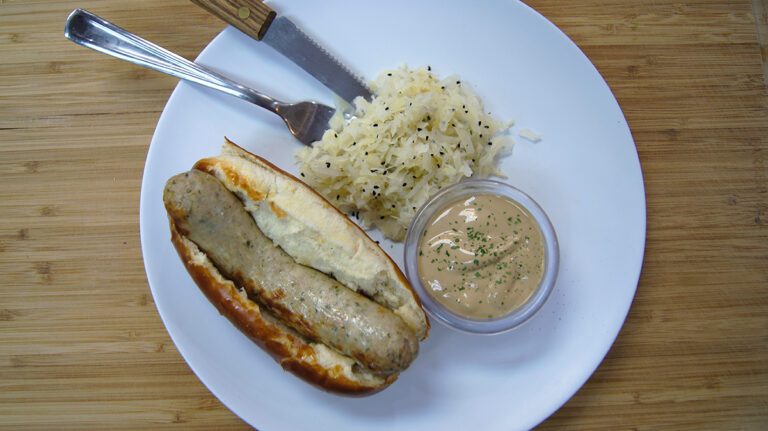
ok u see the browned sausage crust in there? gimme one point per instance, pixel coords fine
(310, 302)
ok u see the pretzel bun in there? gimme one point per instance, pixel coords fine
(317, 242)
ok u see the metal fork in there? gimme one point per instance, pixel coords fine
(307, 121)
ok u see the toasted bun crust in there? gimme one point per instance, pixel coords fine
(312, 231)
(315, 234)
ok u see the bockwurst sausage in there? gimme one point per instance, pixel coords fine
(313, 303)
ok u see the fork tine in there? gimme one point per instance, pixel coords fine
(307, 121)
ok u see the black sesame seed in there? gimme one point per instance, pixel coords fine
(375, 187)
(327, 164)
(429, 68)
(375, 124)
(302, 174)
(404, 184)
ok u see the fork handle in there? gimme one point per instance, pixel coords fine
(252, 17)
(101, 35)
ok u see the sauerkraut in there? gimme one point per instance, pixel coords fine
(419, 134)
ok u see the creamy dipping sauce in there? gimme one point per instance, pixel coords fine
(481, 256)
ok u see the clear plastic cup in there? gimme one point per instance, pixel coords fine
(513, 318)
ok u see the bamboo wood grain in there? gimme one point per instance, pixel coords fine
(81, 343)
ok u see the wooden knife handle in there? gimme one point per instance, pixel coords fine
(252, 17)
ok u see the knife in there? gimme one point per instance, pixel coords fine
(260, 22)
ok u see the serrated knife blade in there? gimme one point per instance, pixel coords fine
(260, 22)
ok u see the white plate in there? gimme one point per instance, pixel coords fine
(585, 173)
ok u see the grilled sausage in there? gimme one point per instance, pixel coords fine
(307, 300)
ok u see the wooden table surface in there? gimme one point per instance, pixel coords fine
(82, 345)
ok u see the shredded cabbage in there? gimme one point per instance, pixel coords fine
(418, 135)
